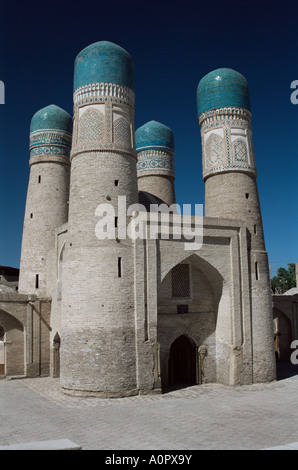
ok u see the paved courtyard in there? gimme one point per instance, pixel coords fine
(200, 417)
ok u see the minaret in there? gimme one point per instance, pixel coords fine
(47, 196)
(98, 352)
(156, 167)
(229, 172)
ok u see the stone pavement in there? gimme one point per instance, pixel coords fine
(209, 416)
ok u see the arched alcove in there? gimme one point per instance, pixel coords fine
(13, 343)
(188, 305)
(282, 335)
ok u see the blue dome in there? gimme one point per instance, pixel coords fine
(222, 88)
(103, 62)
(51, 117)
(154, 135)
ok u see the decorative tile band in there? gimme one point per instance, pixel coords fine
(49, 150)
(103, 127)
(226, 168)
(222, 114)
(155, 162)
(50, 142)
(100, 92)
(226, 141)
(51, 137)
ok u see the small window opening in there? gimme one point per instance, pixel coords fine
(37, 281)
(247, 195)
(116, 222)
(255, 229)
(181, 281)
(31, 215)
(39, 179)
(116, 182)
(119, 267)
(181, 309)
(257, 270)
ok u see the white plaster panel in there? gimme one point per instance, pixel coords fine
(97, 107)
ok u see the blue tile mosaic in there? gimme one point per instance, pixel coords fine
(154, 135)
(51, 117)
(152, 162)
(104, 62)
(222, 88)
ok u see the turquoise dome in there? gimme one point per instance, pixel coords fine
(103, 62)
(222, 88)
(51, 117)
(154, 135)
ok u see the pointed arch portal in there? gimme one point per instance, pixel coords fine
(191, 297)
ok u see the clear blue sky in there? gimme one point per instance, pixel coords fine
(173, 45)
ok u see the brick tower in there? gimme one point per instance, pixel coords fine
(229, 172)
(47, 196)
(156, 167)
(98, 354)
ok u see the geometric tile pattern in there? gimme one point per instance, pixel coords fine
(227, 137)
(214, 148)
(240, 150)
(49, 150)
(237, 155)
(153, 161)
(121, 130)
(50, 142)
(181, 281)
(106, 129)
(91, 127)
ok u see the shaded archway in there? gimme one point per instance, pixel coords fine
(2, 351)
(282, 335)
(191, 296)
(182, 362)
(14, 342)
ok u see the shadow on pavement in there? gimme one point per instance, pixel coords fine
(285, 370)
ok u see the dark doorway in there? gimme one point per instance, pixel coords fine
(2, 351)
(182, 363)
